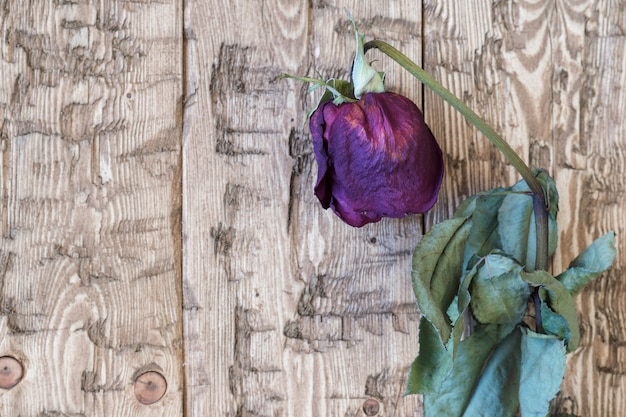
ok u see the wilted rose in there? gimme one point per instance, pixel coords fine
(376, 158)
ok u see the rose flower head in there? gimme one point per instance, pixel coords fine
(376, 157)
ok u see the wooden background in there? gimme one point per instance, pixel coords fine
(157, 212)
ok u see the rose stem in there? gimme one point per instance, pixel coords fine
(539, 200)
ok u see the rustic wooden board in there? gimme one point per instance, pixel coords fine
(549, 76)
(287, 310)
(593, 170)
(90, 105)
(237, 268)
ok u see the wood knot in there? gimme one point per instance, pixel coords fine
(150, 387)
(11, 372)
(371, 407)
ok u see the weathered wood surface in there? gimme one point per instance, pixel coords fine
(90, 116)
(157, 211)
(550, 76)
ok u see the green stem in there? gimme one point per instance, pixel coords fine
(539, 199)
(542, 250)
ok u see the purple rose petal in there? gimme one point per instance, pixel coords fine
(376, 158)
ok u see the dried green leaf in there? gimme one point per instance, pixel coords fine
(499, 294)
(484, 237)
(555, 324)
(432, 363)
(559, 300)
(483, 378)
(542, 370)
(592, 262)
(437, 267)
(496, 392)
(516, 221)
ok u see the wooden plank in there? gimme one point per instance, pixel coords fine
(356, 315)
(549, 77)
(288, 311)
(235, 202)
(90, 205)
(592, 177)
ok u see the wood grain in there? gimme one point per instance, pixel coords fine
(548, 76)
(157, 209)
(235, 200)
(356, 308)
(592, 171)
(90, 206)
(487, 54)
(305, 315)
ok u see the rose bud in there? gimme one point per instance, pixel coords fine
(376, 158)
